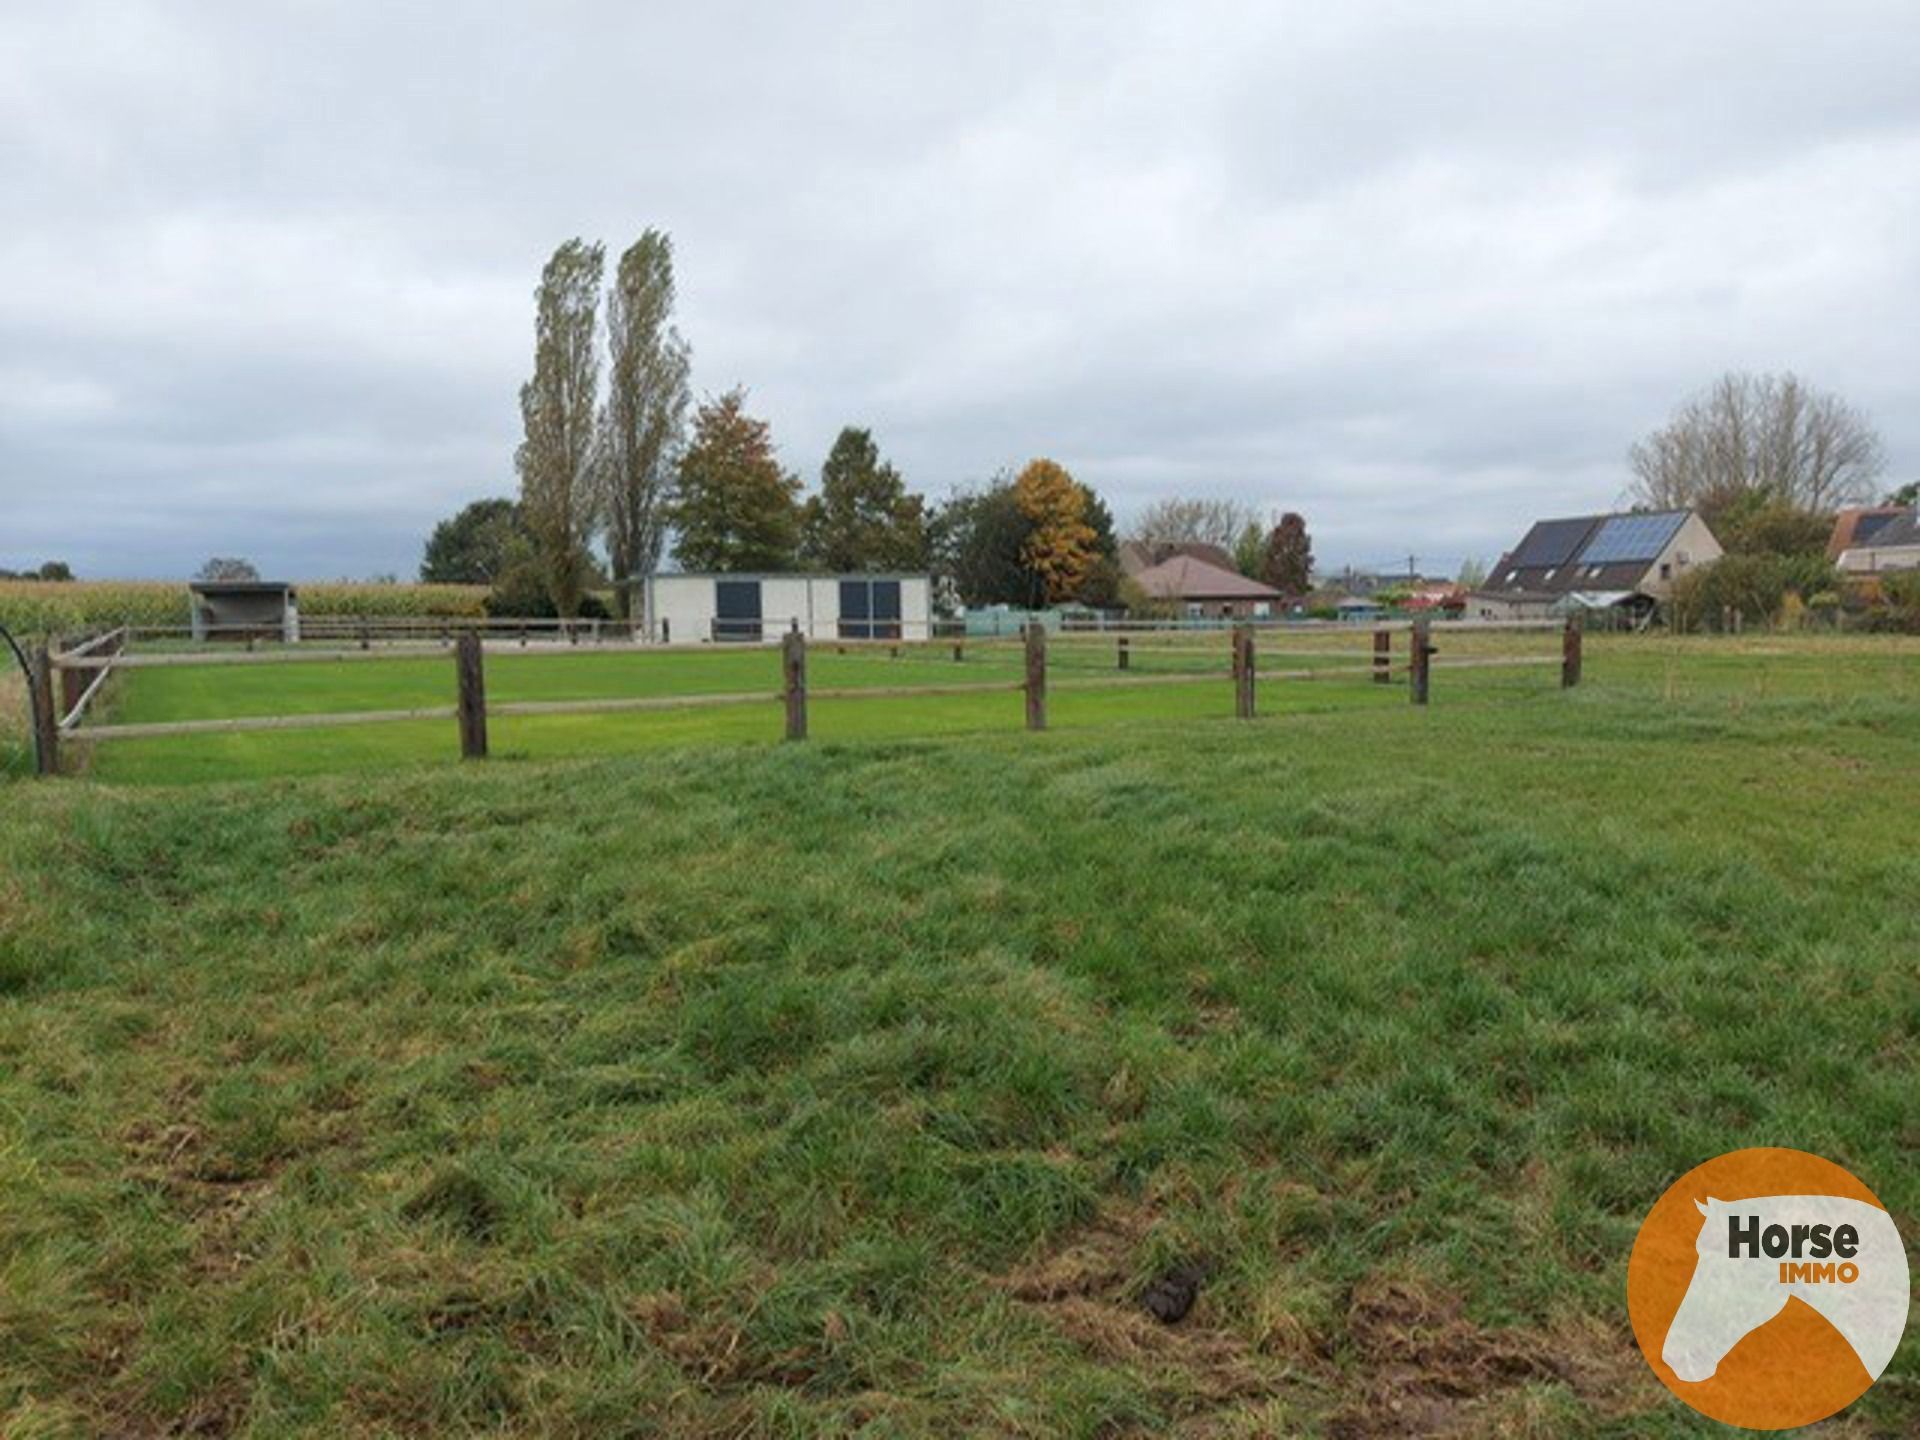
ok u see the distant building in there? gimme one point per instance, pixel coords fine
(748, 608)
(1594, 562)
(1874, 539)
(1137, 556)
(1437, 595)
(1203, 590)
(1365, 583)
(244, 610)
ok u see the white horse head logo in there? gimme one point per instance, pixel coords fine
(1756, 1255)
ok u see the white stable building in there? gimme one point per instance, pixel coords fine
(739, 608)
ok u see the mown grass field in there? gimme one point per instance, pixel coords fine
(198, 692)
(861, 1087)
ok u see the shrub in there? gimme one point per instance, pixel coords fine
(1755, 587)
(1900, 598)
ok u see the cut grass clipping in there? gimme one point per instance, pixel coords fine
(898, 1088)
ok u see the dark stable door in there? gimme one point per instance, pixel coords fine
(736, 608)
(886, 609)
(856, 611)
(870, 609)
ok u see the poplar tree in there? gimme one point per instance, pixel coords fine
(555, 459)
(645, 412)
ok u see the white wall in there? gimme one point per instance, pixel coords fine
(1868, 560)
(785, 599)
(687, 605)
(683, 604)
(1692, 546)
(1483, 605)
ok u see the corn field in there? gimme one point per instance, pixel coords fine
(45, 607)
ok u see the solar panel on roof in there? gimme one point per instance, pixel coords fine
(1626, 538)
(1551, 542)
(1868, 526)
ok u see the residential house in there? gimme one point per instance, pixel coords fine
(1204, 590)
(1594, 562)
(1137, 555)
(1442, 595)
(1871, 540)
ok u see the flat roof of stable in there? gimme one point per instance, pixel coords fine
(239, 587)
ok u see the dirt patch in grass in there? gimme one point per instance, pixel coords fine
(215, 1198)
(1091, 1293)
(1419, 1366)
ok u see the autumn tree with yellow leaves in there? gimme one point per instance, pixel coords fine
(1061, 546)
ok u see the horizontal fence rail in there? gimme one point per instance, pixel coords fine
(102, 655)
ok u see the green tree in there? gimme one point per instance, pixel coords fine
(1101, 587)
(1754, 585)
(474, 546)
(1753, 524)
(1106, 540)
(979, 539)
(555, 459)
(1907, 494)
(1250, 550)
(734, 508)
(1287, 564)
(229, 568)
(864, 517)
(644, 417)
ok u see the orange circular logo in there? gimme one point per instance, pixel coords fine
(1768, 1288)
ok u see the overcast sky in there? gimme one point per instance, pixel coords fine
(1421, 271)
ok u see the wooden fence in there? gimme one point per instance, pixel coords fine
(67, 672)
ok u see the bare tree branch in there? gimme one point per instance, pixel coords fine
(1771, 438)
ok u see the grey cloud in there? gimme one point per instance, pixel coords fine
(1422, 271)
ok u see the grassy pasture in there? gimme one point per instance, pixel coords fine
(859, 1087)
(193, 692)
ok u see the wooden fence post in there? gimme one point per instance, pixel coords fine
(46, 723)
(793, 668)
(470, 667)
(1570, 652)
(1382, 657)
(959, 651)
(1036, 676)
(1420, 661)
(1123, 658)
(73, 684)
(1243, 671)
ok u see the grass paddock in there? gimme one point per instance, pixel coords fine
(862, 1086)
(179, 692)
